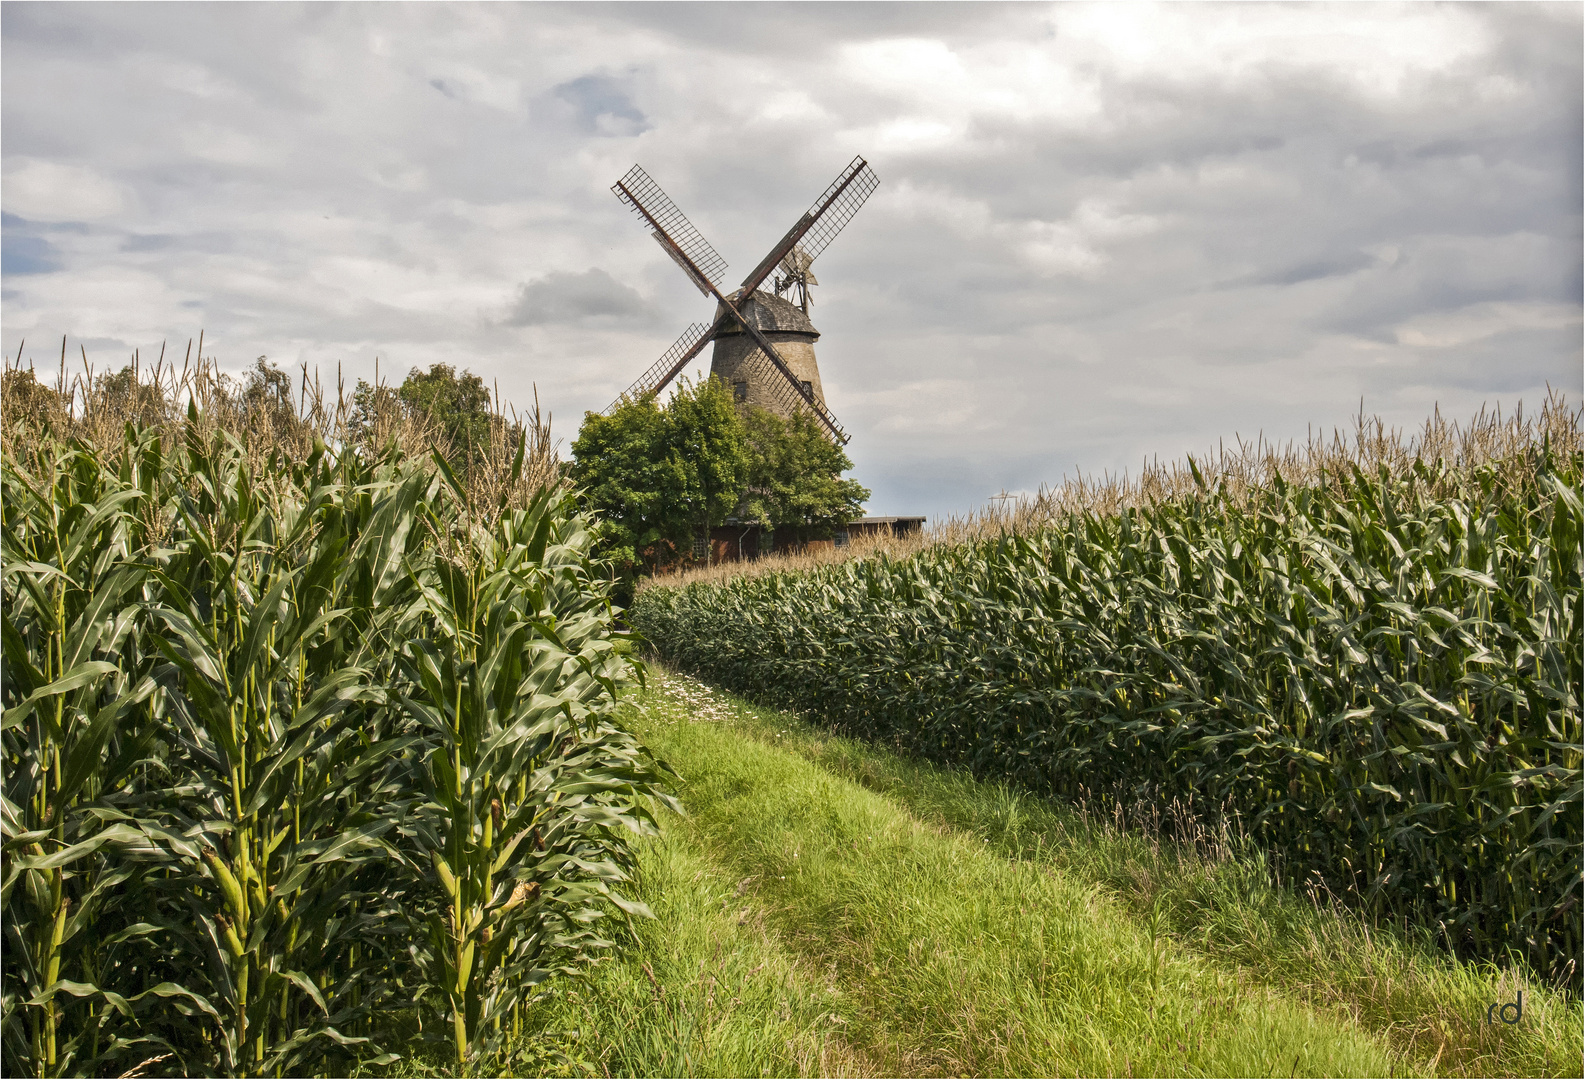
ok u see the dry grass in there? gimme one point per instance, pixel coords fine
(82, 402)
(1240, 471)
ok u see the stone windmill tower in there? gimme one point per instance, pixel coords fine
(737, 362)
(764, 343)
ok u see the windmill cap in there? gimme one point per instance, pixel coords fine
(769, 313)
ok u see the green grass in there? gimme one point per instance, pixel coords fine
(951, 958)
(827, 907)
(705, 989)
(1215, 898)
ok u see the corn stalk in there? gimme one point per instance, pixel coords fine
(228, 694)
(1379, 673)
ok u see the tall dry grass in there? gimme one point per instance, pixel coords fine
(1242, 470)
(264, 412)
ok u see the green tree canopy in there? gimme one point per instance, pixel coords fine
(709, 441)
(659, 477)
(629, 476)
(458, 404)
(795, 475)
(455, 405)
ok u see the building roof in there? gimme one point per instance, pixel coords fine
(769, 312)
(735, 522)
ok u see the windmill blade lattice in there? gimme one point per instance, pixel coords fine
(837, 205)
(689, 250)
(646, 199)
(789, 396)
(661, 372)
(830, 213)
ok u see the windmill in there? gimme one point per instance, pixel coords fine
(763, 342)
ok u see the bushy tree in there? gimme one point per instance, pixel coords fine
(458, 404)
(454, 406)
(629, 476)
(795, 476)
(266, 398)
(659, 477)
(266, 388)
(372, 408)
(708, 438)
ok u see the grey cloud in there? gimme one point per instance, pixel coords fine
(208, 243)
(1315, 269)
(22, 250)
(602, 106)
(301, 184)
(593, 297)
(150, 242)
(19, 224)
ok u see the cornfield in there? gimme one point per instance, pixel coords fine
(309, 757)
(1376, 673)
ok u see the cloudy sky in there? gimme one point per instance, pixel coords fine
(1102, 232)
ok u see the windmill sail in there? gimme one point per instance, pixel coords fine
(704, 267)
(791, 396)
(662, 371)
(671, 227)
(826, 218)
(688, 268)
(835, 208)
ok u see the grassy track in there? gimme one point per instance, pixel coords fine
(705, 990)
(829, 908)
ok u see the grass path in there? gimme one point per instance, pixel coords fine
(826, 908)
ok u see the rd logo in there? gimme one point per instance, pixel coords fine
(1500, 1009)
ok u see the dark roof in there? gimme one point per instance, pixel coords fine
(769, 312)
(735, 522)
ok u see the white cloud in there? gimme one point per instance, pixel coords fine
(1374, 48)
(52, 191)
(1478, 322)
(1102, 231)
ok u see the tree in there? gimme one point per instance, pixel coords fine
(458, 405)
(267, 389)
(657, 477)
(795, 476)
(629, 477)
(266, 399)
(660, 477)
(374, 410)
(455, 407)
(709, 439)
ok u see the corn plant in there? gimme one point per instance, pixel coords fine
(75, 728)
(1378, 673)
(527, 786)
(225, 746)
